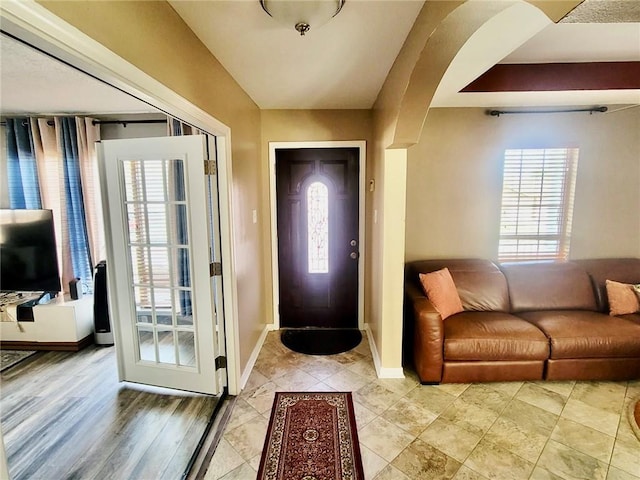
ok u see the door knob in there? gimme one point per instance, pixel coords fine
(353, 255)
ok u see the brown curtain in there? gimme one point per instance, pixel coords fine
(46, 140)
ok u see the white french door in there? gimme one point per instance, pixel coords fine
(165, 295)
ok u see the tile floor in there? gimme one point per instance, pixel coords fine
(514, 430)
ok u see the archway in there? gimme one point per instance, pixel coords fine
(462, 47)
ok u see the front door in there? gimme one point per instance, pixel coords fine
(317, 214)
(162, 240)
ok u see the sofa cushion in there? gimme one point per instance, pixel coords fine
(440, 289)
(548, 286)
(624, 270)
(622, 297)
(581, 334)
(492, 336)
(480, 283)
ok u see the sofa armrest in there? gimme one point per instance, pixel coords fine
(428, 337)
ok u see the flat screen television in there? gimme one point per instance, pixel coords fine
(28, 254)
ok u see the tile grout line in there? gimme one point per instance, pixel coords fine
(620, 420)
(552, 430)
(485, 433)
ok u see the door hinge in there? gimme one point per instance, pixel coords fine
(221, 362)
(215, 269)
(210, 167)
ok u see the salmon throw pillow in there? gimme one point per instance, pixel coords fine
(438, 286)
(623, 298)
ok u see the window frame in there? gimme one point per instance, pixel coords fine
(537, 168)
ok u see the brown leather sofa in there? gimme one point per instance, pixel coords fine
(523, 321)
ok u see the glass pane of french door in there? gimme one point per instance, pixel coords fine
(159, 249)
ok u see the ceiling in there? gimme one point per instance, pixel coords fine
(341, 64)
(344, 63)
(581, 42)
(33, 83)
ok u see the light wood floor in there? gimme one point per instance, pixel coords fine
(64, 415)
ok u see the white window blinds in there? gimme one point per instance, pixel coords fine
(537, 203)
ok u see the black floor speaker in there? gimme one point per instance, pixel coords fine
(102, 324)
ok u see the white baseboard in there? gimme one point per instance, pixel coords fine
(391, 372)
(372, 347)
(382, 372)
(254, 355)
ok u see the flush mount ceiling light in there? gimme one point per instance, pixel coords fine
(302, 14)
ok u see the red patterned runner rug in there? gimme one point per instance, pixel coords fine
(311, 436)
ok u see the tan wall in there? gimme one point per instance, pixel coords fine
(308, 126)
(440, 30)
(314, 125)
(454, 180)
(374, 247)
(384, 256)
(151, 36)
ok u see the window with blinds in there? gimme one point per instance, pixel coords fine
(537, 203)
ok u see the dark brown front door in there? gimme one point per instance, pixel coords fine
(318, 238)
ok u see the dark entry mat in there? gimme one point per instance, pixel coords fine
(321, 341)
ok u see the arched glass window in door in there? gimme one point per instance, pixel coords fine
(318, 227)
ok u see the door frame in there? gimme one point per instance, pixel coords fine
(361, 145)
(37, 26)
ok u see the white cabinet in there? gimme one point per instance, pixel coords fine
(61, 324)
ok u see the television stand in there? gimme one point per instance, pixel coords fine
(60, 324)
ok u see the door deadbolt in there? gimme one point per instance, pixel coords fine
(353, 243)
